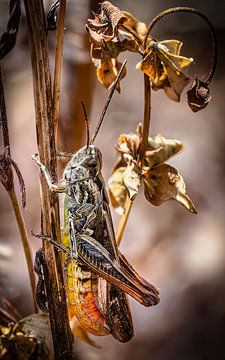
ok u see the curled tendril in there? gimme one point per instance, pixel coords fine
(204, 17)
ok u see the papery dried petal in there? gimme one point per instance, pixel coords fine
(108, 71)
(134, 24)
(132, 180)
(107, 21)
(166, 149)
(163, 183)
(117, 190)
(198, 95)
(111, 49)
(129, 144)
(152, 66)
(176, 84)
(164, 65)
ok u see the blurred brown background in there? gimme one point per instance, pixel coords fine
(182, 254)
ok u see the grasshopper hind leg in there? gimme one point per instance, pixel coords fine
(121, 327)
(40, 294)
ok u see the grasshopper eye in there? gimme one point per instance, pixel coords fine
(89, 162)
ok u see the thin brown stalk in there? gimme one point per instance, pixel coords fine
(9, 186)
(147, 116)
(123, 221)
(50, 224)
(25, 241)
(146, 124)
(58, 64)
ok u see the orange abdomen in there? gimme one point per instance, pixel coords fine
(82, 290)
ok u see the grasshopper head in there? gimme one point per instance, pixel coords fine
(86, 163)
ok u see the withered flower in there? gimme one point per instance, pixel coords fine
(162, 182)
(198, 95)
(107, 21)
(165, 67)
(108, 39)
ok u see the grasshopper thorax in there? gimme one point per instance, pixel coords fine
(85, 164)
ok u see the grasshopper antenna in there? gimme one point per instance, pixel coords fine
(87, 123)
(108, 101)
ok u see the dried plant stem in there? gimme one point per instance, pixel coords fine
(25, 241)
(13, 196)
(147, 116)
(123, 221)
(146, 124)
(50, 224)
(58, 64)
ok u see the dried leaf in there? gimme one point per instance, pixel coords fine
(107, 21)
(198, 95)
(166, 149)
(163, 183)
(117, 190)
(108, 71)
(132, 180)
(164, 65)
(21, 183)
(80, 333)
(6, 174)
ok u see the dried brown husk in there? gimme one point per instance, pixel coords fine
(199, 95)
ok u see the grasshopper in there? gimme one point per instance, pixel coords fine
(98, 276)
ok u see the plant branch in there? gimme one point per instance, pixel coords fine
(50, 224)
(204, 17)
(58, 64)
(25, 241)
(123, 221)
(146, 124)
(147, 117)
(7, 181)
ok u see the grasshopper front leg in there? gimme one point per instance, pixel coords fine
(58, 188)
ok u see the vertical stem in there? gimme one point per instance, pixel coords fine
(146, 124)
(12, 194)
(4, 122)
(24, 239)
(50, 225)
(147, 116)
(123, 221)
(58, 64)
